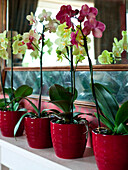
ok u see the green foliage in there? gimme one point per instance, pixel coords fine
(63, 98)
(15, 97)
(113, 116)
(21, 119)
(44, 113)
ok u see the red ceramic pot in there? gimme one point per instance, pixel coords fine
(0, 119)
(111, 151)
(38, 132)
(69, 140)
(8, 121)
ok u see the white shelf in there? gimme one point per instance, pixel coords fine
(17, 155)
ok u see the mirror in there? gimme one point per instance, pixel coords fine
(111, 12)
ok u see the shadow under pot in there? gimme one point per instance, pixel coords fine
(69, 140)
(111, 151)
(8, 121)
(38, 132)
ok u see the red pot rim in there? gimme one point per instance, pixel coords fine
(13, 111)
(37, 118)
(52, 122)
(105, 134)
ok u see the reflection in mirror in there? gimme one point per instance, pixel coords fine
(111, 12)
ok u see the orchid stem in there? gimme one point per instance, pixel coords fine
(2, 85)
(92, 81)
(72, 81)
(12, 70)
(41, 76)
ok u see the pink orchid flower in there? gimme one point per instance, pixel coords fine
(65, 14)
(95, 26)
(73, 39)
(30, 46)
(87, 12)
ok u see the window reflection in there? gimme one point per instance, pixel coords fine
(111, 12)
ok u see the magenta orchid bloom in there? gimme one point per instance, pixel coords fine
(30, 46)
(87, 12)
(95, 26)
(73, 38)
(65, 14)
(87, 15)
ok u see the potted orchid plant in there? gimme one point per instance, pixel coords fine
(69, 133)
(114, 136)
(37, 124)
(11, 106)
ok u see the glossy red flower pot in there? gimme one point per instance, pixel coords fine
(38, 132)
(69, 140)
(8, 121)
(0, 119)
(111, 151)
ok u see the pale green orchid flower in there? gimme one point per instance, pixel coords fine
(3, 45)
(64, 36)
(35, 53)
(61, 54)
(64, 41)
(31, 36)
(51, 26)
(19, 47)
(125, 40)
(31, 18)
(105, 57)
(3, 54)
(117, 47)
(49, 44)
(44, 16)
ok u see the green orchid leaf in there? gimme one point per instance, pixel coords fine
(15, 106)
(105, 121)
(69, 89)
(57, 92)
(122, 129)
(8, 91)
(23, 109)
(3, 100)
(20, 120)
(44, 113)
(64, 105)
(23, 91)
(122, 114)
(32, 104)
(2, 104)
(106, 101)
(61, 97)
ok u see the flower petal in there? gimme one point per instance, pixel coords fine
(97, 33)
